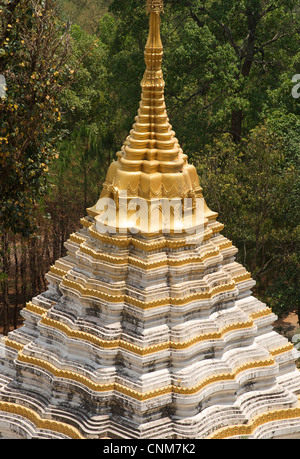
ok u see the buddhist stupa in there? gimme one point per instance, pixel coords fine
(149, 331)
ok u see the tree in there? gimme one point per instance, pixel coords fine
(232, 111)
(228, 68)
(89, 128)
(256, 31)
(85, 13)
(260, 210)
(221, 58)
(34, 49)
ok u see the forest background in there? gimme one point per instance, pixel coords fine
(73, 69)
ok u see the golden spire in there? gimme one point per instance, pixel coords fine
(153, 50)
(151, 164)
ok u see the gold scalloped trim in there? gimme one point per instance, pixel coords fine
(39, 310)
(262, 313)
(121, 344)
(217, 228)
(57, 271)
(116, 260)
(230, 376)
(225, 245)
(259, 420)
(13, 344)
(40, 423)
(241, 278)
(87, 292)
(123, 260)
(282, 349)
(146, 246)
(149, 246)
(77, 239)
(77, 334)
(67, 374)
(168, 390)
(86, 223)
(145, 264)
(36, 309)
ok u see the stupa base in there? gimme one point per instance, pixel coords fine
(273, 413)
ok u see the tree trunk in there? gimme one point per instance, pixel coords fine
(5, 283)
(33, 266)
(246, 60)
(236, 125)
(23, 272)
(15, 318)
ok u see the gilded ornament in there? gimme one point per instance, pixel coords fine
(155, 6)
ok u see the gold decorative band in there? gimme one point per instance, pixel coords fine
(14, 344)
(58, 271)
(226, 432)
(86, 223)
(119, 260)
(143, 351)
(40, 423)
(282, 349)
(123, 298)
(140, 396)
(261, 313)
(249, 429)
(124, 260)
(77, 239)
(35, 308)
(160, 243)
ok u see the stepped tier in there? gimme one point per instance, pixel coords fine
(145, 334)
(137, 343)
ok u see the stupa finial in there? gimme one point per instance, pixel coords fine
(155, 6)
(151, 163)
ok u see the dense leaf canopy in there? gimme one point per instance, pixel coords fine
(73, 89)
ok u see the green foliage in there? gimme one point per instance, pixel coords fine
(85, 13)
(223, 63)
(254, 187)
(33, 49)
(90, 123)
(228, 68)
(81, 156)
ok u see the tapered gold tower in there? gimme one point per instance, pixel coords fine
(150, 333)
(151, 164)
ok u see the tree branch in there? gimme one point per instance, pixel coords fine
(278, 37)
(227, 29)
(268, 10)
